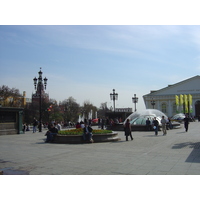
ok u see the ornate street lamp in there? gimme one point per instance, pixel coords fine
(113, 97)
(153, 103)
(135, 100)
(38, 83)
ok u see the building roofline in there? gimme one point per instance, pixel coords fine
(171, 85)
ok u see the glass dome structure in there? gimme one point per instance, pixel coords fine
(139, 118)
(179, 116)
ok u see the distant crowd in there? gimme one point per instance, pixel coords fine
(102, 123)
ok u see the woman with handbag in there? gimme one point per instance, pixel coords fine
(127, 129)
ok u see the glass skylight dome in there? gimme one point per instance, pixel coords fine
(179, 116)
(139, 118)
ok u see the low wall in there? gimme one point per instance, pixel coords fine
(77, 139)
(8, 128)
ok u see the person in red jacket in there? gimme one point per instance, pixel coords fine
(78, 125)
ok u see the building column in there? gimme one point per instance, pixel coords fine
(169, 109)
(158, 105)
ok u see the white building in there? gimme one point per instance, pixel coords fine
(165, 101)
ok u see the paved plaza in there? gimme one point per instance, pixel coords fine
(177, 153)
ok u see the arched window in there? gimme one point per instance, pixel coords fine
(164, 107)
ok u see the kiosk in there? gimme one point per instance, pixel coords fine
(11, 121)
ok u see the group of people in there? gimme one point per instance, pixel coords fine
(87, 130)
(45, 125)
(53, 131)
(155, 124)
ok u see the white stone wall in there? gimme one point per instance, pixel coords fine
(169, 100)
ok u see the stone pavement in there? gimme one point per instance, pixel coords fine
(178, 153)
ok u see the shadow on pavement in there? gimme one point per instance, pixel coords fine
(153, 135)
(194, 156)
(180, 132)
(194, 145)
(14, 172)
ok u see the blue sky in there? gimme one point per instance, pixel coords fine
(87, 62)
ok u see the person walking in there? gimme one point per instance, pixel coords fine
(35, 123)
(186, 122)
(127, 129)
(164, 122)
(155, 126)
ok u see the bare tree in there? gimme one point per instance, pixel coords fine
(10, 96)
(88, 108)
(70, 109)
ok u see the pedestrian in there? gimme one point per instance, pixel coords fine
(82, 124)
(90, 122)
(102, 123)
(27, 127)
(78, 125)
(148, 124)
(164, 122)
(155, 126)
(186, 122)
(58, 126)
(169, 124)
(35, 123)
(107, 122)
(85, 121)
(24, 128)
(99, 122)
(127, 129)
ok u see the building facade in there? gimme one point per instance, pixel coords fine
(165, 99)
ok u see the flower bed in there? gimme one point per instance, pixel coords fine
(79, 131)
(74, 136)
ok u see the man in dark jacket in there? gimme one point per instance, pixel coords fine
(186, 122)
(87, 133)
(155, 125)
(35, 123)
(51, 133)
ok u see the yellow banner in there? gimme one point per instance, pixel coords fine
(190, 99)
(190, 102)
(181, 99)
(177, 99)
(177, 103)
(186, 103)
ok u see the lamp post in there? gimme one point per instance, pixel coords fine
(113, 97)
(38, 83)
(135, 100)
(153, 103)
